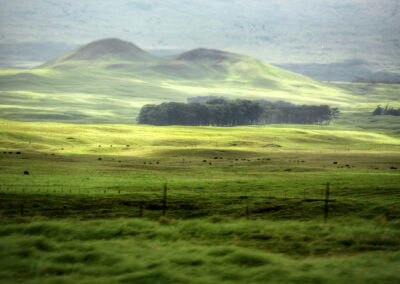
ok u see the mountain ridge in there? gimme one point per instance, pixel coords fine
(99, 84)
(117, 49)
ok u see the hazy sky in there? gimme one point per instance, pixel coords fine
(273, 30)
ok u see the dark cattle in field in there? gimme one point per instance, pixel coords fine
(18, 153)
(204, 161)
(26, 173)
(99, 159)
(393, 168)
(335, 163)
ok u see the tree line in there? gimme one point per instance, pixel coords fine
(386, 111)
(222, 112)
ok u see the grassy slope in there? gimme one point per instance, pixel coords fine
(205, 236)
(112, 90)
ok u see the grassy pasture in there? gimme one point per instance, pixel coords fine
(111, 90)
(79, 218)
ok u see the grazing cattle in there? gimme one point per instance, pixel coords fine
(204, 161)
(393, 168)
(26, 173)
(215, 158)
(18, 153)
(335, 163)
(99, 159)
(157, 162)
(10, 152)
(210, 163)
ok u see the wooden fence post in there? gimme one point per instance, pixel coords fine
(247, 208)
(165, 200)
(326, 202)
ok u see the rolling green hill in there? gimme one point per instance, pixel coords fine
(107, 81)
(83, 204)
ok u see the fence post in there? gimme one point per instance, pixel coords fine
(165, 200)
(326, 202)
(140, 211)
(247, 207)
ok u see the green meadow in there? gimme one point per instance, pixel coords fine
(89, 196)
(243, 204)
(108, 81)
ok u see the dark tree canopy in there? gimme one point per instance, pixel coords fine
(218, 111)
(386, 111)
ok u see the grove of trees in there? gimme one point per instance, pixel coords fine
(386, 111)
(222, 112)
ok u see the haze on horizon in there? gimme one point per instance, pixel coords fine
(357, 33)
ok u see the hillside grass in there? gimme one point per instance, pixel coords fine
(113, 91)
(254, 215)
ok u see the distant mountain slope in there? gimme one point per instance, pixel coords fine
(107, 81)
(110, 48)
(282, 32)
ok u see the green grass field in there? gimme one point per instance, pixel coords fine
(244, 204)
(85, 203)
(84, 86)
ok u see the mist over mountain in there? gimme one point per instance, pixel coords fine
(280, 32)
(109, 80)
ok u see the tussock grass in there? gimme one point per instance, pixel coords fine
(196, 252)
(86, 220)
